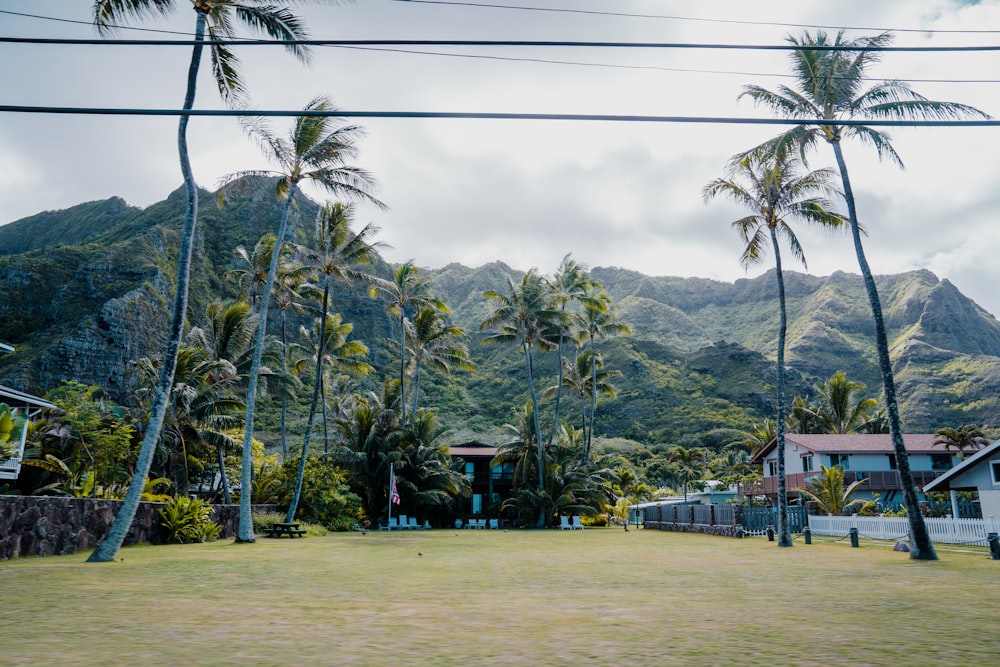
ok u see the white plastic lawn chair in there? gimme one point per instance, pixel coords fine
(564, 523)
(576, 523)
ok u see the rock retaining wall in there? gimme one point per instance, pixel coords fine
(48, 526)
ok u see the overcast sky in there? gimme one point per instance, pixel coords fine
(529, 192)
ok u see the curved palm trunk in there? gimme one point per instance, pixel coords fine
(921, 547)
(284, 400)
(538, 425)
(222, 474)
(784, 533)
(108, 547)
(416, 385)
(593, 400)
(294, 505)
(402, 367)
(555, 416)
(245, 531)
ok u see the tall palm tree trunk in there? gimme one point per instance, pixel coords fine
(921, 547)
(402, 367)
(784, 533)
(559, 388)
(245, 532)
(297, 494)
(593, 400)
(284, 399)
(416, 385)
(538, 425)
(108, 547)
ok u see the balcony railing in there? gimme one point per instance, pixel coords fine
(878, 480)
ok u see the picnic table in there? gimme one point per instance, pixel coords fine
(283, 529)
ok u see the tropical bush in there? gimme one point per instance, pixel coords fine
(189, 520)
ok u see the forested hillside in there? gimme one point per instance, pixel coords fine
(84, 294)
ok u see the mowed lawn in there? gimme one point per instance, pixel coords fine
(521, 597)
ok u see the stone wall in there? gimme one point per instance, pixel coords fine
(49, 525)
(681, 519)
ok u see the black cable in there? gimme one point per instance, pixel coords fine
(488, 43)
(105, 111)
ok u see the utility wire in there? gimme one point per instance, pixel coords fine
(566, 10)
(488, 43)
(103, 111)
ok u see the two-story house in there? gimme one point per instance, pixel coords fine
(490, 484)
(863, 456)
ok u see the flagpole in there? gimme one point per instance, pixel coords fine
(392, 483)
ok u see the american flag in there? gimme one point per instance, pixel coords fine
(393, 491)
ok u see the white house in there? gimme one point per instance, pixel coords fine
(24, 404)
(863, 456)
(979, 472)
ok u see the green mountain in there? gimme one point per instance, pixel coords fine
(85, 291)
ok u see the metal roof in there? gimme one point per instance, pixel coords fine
(9, 395)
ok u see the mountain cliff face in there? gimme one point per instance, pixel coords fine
(86, 291)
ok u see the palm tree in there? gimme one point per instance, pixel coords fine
(579, 377)
(424, 472)
(408, 289)
(569, 285)
(598, 320)
(964, 440)
(316, 151)
(437, 343)
(770, 186)
(689, 464)
(828, 491)
(841, 410)
(333, 348)
(830, 88)
(526, 316)
(216, 18)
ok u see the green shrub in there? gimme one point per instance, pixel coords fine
(189, 520)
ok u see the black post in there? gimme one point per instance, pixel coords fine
(770, 533)
(807, 534)
(854, 537)
(994, 541)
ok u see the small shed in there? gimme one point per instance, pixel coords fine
(979, 472)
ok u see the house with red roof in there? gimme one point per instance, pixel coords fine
(863, 456)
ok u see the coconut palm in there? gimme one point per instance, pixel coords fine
(598, 320)
(216, 19)
(407, 290)
(526, 315)
(689, 464)
(569, 285)
(334, 349)
(437, 343)
(830, 87)
(774, 191)
(316, 151)
(828, 491)
(579, 378)
(841, 408)
(964, 440)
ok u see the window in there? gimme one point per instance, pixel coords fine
(995, 469)
(840, 460)
(807, 463)
(772, 468)
(470, 470)
(940, 461)
(892, 461)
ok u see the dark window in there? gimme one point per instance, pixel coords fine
(840, 460)
(995, 467)
(892, 461)
(807, 463)
(940, 461)
(772, 468)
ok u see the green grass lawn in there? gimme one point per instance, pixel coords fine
(594, 597)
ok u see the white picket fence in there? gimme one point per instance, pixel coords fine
(946, 531)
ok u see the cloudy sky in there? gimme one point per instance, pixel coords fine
(527, 192)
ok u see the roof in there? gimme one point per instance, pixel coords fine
(19, 397)
(943, 481)
(472, 449)
(855, 443)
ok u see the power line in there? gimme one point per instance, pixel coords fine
(489, 43)
(105, 111)
(566, 10)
